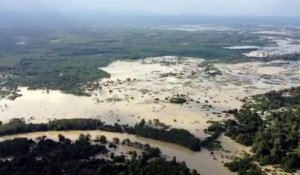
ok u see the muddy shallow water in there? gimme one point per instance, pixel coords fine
(140, 90)
(203, 161)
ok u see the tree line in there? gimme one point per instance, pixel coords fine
(64, 157)
(270, 124)
(177, 136)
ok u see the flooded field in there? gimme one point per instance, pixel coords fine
(142, 89)
(282, 46)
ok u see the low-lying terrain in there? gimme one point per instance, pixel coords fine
(216, 103)
(171, 92)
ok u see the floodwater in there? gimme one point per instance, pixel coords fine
(203, 161)
(243, 47)
(152, 80)
(138, 90)
(282, 46)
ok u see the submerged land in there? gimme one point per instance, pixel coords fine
(200, 93)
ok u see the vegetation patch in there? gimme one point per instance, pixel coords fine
(178, 100)
(177, 136)
(244, 166)
(67, 75)
(211, 142)
(270, 125)
(212, 70)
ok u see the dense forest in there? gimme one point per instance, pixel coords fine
(67, 75)
(18, 126)
(22, 156)
(178, 136)
(244, 166)
(270, 124)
